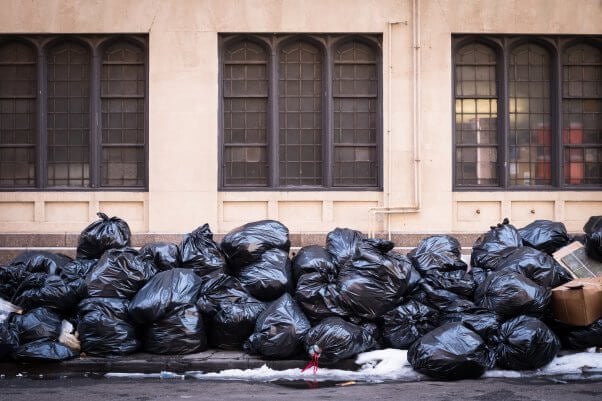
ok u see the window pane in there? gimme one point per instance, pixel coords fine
(300, 107)
(17, 115)
(476, 127)
(582, 115)
(123, 85)
(530, 137)
(68, 115)
(245, 88)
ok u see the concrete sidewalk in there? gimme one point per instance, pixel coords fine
(212, 360)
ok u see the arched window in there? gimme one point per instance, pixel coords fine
(530, 131)
(68, 124)
(582, 114)
(300, 108)
(245, 94)
(122, 90)
(17, 115)
(476, 115)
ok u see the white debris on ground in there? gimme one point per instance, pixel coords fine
(391, 365)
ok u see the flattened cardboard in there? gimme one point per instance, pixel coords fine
(578, 302)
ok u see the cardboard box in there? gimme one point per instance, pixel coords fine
(578, 302)
(574, 259)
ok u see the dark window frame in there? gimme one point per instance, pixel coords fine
(95, 44)
(502, 46)
(272, 45)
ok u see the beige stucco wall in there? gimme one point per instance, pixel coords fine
(183, 101)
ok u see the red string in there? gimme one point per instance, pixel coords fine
(313, 363)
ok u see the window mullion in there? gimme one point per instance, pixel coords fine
(503, 105)
(556, 109)
(95, 139)
(41, 129)
(273, 118)
(327, 121)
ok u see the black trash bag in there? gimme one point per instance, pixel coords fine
(217, 291)
(45, 290)
(575, 337)
(199, 252)
(120, 273)
(245, 244)
(11, 277)
(37, 324)
(104, 327)
(450, 352)
(43, 351)
(313, 259)
(74, 275)
(442, 300)
(342, 245)
(180, 331)
(401, 326)
(335, 339)
(42, 261)
(536, 265)
(438, 252)
(459, 282)
(165, 292)
(269, 277)
(163, 255)
(9, 340)
(318, 295)
(490, 247)
(234, 323)
(373, 282)
(414, 278)
(545, 235)
(593, 245)
(593, 224)
(525, 343)
(479, 275)
(510, 294)
(106, 233)
(279, 330)
(480, 320)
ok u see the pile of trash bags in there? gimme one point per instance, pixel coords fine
(327, 302)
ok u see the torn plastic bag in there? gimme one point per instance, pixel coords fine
(234, 323)
(41, 261)
(401, 326)
(480, 320)
(120, 273)
(163, 255)
(9, 340)
(164, 292)
(43, 351)
(342, 244)
(437, 252)
(74, 275)
(104, 327)
(593, 224)
(313, 259)
(45, 290)
(373, 282)
(37, 324)
(593, 245)
(450, 352)
(545, 235)
(199, 252)
(335, 339)
(490, 247)
(575, 337)
(536, 265)
(245, 244)
(318, 295)
(217, 291)
(269, 277)
(525, 343)
(106, 233)
(180, 331)
(511, 294)
(279, 330)
(459, 282)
